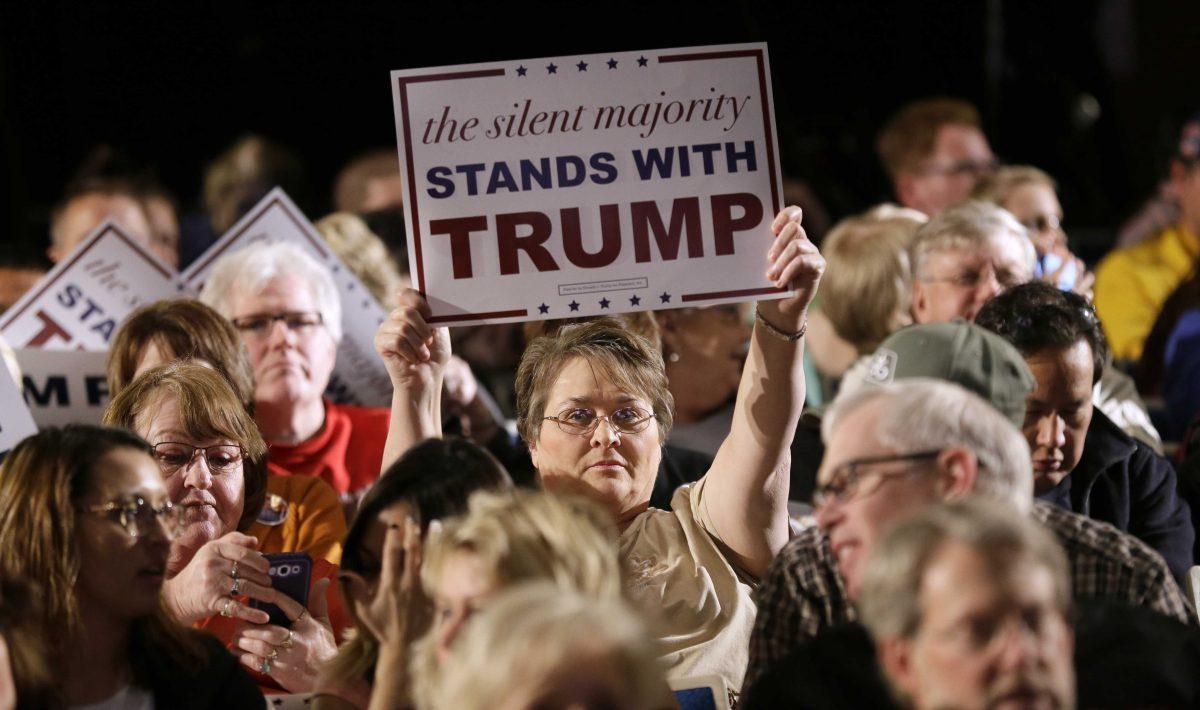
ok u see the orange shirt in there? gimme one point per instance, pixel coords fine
(346, 453)
(224, 627)
(301, 514)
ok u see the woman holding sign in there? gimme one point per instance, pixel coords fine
(594, 409)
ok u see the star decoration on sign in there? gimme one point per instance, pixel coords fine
(634, 300)
(604, 303)
(642, 61)
(666, 297)
(521, 70)
(573, 306)
(551, 69)
(582, 65)
(612, 64)
(543, 309)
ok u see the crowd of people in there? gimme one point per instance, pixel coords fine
(953, 466)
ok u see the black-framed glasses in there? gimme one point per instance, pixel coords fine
(582, 421)
(260, 324)
(846, 480)
(138, 515)
(174, 455)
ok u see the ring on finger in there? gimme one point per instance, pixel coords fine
(265, 666)
(227, 607)
(273, 654)
(236, 588)
(290, 641)
(233, 573)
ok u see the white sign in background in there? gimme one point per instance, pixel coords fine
(84, 298)
(16, 422)
(359, 376)
(64, 386)
(589, 184)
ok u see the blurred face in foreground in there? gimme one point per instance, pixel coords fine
(990, 636)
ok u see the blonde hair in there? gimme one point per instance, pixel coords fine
(908, 137)
(208, 409)
(626, 358)
(567, 541)
(968, 225)
(869, 278)
(350, 188)
(998, 187)
(364, 253)
(539, 630)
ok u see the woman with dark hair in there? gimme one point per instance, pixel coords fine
(1082, 461)
(84, 514)
(432, 481)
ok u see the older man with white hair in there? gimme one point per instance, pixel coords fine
(286, 307)
(891, 451)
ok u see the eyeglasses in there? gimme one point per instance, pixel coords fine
(138, 516)
(1043, 223)
(962, 168)
(971, 278)
(260, 324)
(846, 480)
(174, 455)
(582, 421)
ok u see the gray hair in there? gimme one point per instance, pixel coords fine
(250, 270)
(889, 602)
(536, 629)
(969, 224)
(921, 413)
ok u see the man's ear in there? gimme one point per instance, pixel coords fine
(906, 188)
(895, 658)
(920, 301)
(959, 471)
(54, 253)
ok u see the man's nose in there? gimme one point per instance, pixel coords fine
(1051, 431)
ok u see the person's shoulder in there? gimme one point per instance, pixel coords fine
(806, 558)
(218, 681)
(1090, 542)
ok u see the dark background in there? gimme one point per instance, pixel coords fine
(1090, 91)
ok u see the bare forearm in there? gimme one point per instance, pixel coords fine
(416, 416)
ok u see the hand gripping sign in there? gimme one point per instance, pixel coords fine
(589, 184)
(80, 303)
(358, 376)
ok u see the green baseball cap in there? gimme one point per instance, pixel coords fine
(958, 352)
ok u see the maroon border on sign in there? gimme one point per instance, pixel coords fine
(471, 316)
(402, 85)
(251, 217)
(137, 249)
(732, 294)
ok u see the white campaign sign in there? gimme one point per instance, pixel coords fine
(64, 386)
(16, 422)
(589, 184)
(359, 376)
(80, 303)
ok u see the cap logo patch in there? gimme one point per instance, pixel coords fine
(882, 367)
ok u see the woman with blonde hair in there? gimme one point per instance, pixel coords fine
(85, 516)
(539, 645)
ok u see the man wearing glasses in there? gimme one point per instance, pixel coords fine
(934, 151)
(893, 450)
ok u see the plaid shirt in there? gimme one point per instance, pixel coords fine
(803, 592)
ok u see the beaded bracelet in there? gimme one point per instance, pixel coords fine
(781, 334)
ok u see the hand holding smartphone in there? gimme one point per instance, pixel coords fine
(291, 574)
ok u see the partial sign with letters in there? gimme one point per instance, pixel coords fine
(64, 387)
(589, 184)
(359, 376)
(80, 303)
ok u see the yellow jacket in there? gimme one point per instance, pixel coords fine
(1133, 283)
(301, 514)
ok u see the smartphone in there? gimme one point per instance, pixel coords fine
(1050, 262)
(291, 574)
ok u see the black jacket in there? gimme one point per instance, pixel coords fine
(1121, 481)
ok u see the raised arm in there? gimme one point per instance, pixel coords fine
(746, 489)
(415, 355)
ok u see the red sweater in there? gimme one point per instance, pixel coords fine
(346, 453)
